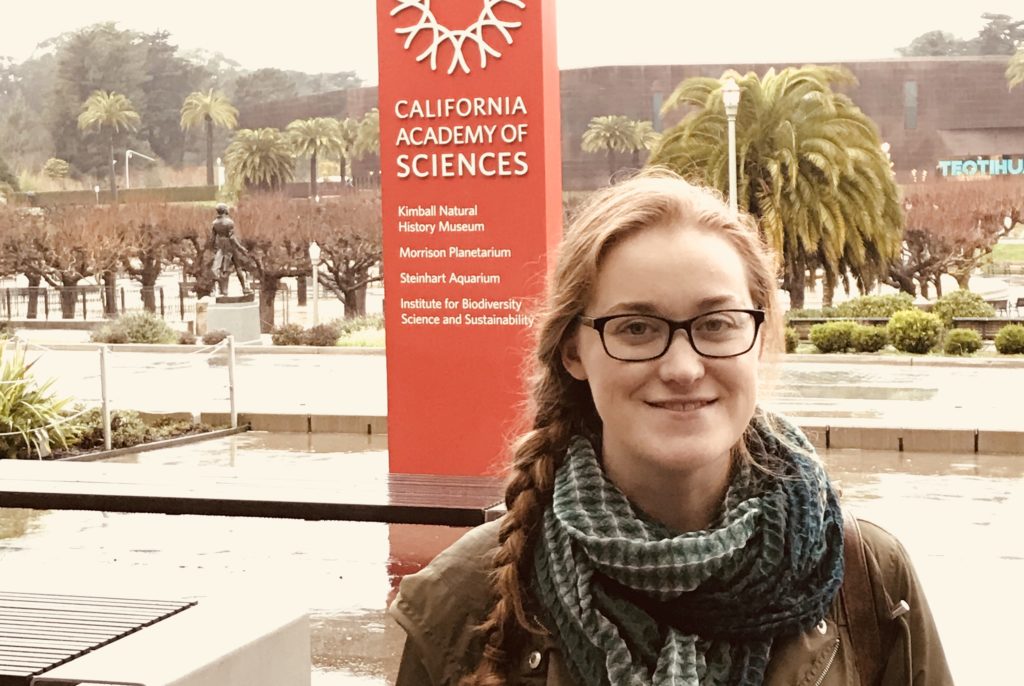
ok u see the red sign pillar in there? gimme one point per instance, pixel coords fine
(471, 203)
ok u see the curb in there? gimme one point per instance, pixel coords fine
(154, 445)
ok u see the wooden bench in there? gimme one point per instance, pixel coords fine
(39, 632)
(988, 327)
(392, 498)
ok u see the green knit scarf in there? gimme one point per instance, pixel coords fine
(634, 603)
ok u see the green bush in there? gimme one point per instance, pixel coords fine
(869, 339)
(961, 304)
(29, 410)
(186, 338)
(287, 334)
(962, 342)
(215, 336)
(321, 335)
(875, 306)
(127, 429)
(6, 330)
(350, 326)
(832, 337)
(1010, 340)
(136, 327)
(808, 313)
(792, 339)
(914, 331)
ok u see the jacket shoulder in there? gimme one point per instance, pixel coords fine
(440, 604)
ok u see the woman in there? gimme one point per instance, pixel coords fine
(661, 528)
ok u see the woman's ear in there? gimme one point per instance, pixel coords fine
(571, 358)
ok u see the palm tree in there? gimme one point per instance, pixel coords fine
(368, 135)
(261, 158)
(1015, 70)
(611, 134)
(212, 109)
(111, 111)
(810, 168)
(348, 136)
(645, 138)
(312, 137)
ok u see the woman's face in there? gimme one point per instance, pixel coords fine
(680, 414)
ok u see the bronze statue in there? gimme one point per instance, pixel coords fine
(228, 252)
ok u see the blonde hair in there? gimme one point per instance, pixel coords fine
(561, 406)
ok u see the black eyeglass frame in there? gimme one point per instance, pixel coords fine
(598, 324)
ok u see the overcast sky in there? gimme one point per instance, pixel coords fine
(339, 35)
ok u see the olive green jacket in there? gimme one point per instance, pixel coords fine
(439, 606)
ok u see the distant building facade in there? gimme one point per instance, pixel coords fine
(933, 112)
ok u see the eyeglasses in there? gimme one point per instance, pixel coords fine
(642, 337)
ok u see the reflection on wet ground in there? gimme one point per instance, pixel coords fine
(958, 515)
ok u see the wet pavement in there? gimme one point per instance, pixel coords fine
(862, 394)
(958, 516)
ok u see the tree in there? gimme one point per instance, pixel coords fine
(935, 44)
(348, 136)
(1001, 35)
(810, 168)
(7, 179)
(950, 227)
(96, 58)
(610, 134)
(169, 79)
(264, 85)
(113, 112)
(348, 230)
(1015, 70)
(644, 138)
(56, 169)
(276, 231)
(260, 158)
(314, 136)
(212, 109)
(368, 135)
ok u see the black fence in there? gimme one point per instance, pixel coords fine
(91, 303)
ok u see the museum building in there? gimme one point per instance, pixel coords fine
(953, 117)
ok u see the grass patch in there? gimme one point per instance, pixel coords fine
(363, 338)
(1008, 252)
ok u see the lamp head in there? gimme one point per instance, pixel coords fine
(314, 251)
(731, 96)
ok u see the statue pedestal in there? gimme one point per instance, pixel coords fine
(239, 316)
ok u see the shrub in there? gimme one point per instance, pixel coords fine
(186, 338)
(875, 305)
(349, 326)
(1010, 340)
(30, 410)
(792, 339)
(136, 327)
(807, 313)
(961, 304)
(126, 429)
(322, 335)
(215, 336)
(869, 339)
(286, 334)
(914, 331)
(962, 342)
(832, 337)
(6, 330)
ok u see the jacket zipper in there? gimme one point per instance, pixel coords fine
(828, 665)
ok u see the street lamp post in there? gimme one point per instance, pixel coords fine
(314, 259)
(127, 156)
(731, 100)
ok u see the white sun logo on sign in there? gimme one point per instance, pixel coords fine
(460, 39)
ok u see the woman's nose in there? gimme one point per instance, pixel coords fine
(680, 363)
